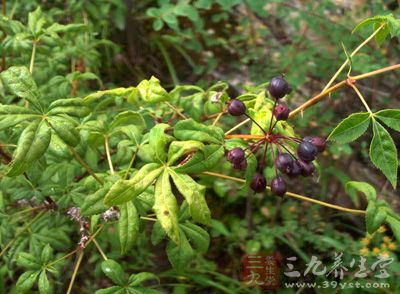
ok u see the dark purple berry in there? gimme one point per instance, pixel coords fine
(281, 111)
(236, 155)
(307, 168)
(307, 151)
(318, 142)
(240, 165)
(236, 107)
(284, 162)
(259, 183)
(278, 186)
(278, 87)
(295, 171)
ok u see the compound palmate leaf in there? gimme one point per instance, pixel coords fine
(383, 153)
(351, 128)
(32, 144)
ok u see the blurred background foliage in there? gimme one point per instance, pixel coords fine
(244, 43)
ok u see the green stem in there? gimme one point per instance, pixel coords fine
(76, 268)
(131, 163)
(100, 250)
(168, 62)
(361, 98)
(107, 147)
(176, 110)
(33, 55)
(26, 227)
(351, 55)
(84, 164)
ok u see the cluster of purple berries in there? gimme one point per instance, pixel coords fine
(285, 162)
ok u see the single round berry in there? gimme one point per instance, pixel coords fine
(284, 162)
(240, 165)
(307, 151)
(295, 171)
(307, 168)
(259, 183)
(318, 142)
(278, 87)
(236, 107)
(281, 111)
(278, 186)
(236, 155)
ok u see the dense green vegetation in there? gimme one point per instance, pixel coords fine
(137, 139)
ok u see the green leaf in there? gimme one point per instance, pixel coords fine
(192, 130)
(197, 236)
(158, 141)
(11, 115)
(166, 207)
(383, 153)
(128, 118)
(177, 149)
(367, 189)
(68, 28)
(32, 144)
(65, 129)
(390, 117)
(351, 128)
(26, 280)
(93, 204)
(117, 92)
(46, 254)
(112, 290)
(128, 226)
(125, 190)
(28, 261)
(151, 91)
(375, 217)
(139, 278)
(114, 271)
(157, 234)
(394, 225)
(70, 106)
(179, 255)
(194, 195)
(19, 82)
(44, 284)
(202, 160)
(36, 21)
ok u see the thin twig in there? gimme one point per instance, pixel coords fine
(100, 250)
(26, 227)
(217, 118)
(290, 194)
(351, 55)
(176, 110)
(76, 268)
(84, 164)
(107, 147)
(361, 98)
